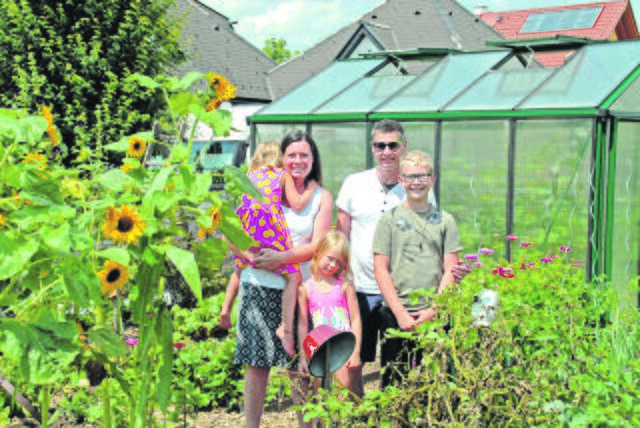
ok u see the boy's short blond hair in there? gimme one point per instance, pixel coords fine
(417, 158)
(267, 153)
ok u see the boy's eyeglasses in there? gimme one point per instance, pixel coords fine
(422, 178)
(391, 146)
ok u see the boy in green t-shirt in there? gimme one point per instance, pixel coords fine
(414, 248)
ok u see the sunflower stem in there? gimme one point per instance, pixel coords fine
(193, 133)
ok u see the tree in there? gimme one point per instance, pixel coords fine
(277, 50)
(75, 57)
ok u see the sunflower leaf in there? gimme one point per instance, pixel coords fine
(14, 255)
(181, 102)
(115, 180)
(232, 229)
(115, 254)
(185, 262)
(144, 81)
(150, 201)
(164, 333)
(219, 120)
(107, 341)
(81, 286)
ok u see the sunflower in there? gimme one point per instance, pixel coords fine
(51, 130)
(126, 168)
(124, 225)
(137, 147)
(113, 276)
(224, 90)
(36, 159)
(3, 220)
(216, 219)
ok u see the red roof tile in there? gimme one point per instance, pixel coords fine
(509, 23)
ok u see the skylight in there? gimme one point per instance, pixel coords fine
(572, 19)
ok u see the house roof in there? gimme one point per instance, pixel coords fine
(611, 20)
(398, 24)
(216, 47)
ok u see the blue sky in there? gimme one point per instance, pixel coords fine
(303, 23)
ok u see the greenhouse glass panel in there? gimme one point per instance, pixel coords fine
(275, 132)
(552, 183)
(342, 151)
(420, 136)
(442, 82)
(315, 91)
(589, 78)
(626, 211)
(473, 181)
(629, 100)
(365, 95)
(498, 90)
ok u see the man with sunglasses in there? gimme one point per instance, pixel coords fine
(362, 200)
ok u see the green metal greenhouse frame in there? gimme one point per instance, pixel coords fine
(598, 83)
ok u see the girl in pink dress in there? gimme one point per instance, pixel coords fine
(265, 222)
(329, 297)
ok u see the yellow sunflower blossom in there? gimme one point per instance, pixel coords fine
(216, 220)
(3, 220)
(51, 130)
(123, 225)
(224, 91)
(18, 199)
(113, 276)
(137, 146)
(126, 168)
(36, 159)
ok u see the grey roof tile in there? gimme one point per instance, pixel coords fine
(216, 47)
(399, 24)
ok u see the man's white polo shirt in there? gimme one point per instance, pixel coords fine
(364, 198)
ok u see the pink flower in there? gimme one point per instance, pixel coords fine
(554, 257)
(471, 256)
(576, 265)
(565, 249)
(526, 244)
(487, 251)
(512, 238)
(178, 345)
(503, 272)
(132, 341)
(478, 264)
(523, 266)
(545, 260)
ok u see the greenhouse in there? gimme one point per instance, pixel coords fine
(550, 155)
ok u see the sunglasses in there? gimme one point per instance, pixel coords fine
(391, 146)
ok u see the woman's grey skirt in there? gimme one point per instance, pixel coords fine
(259, 315)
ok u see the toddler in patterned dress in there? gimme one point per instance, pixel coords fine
(265, 222)
(329, 297)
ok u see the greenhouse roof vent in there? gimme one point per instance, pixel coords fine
(545, 44)
(412, 53)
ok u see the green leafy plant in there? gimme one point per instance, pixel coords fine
(561, 352)
(69, 241)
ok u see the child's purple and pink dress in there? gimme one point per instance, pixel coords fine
(265, 222)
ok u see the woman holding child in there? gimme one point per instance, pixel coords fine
(262, 304)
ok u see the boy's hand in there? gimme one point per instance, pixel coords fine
(424, 315)
(406, 321)
(459, 271)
